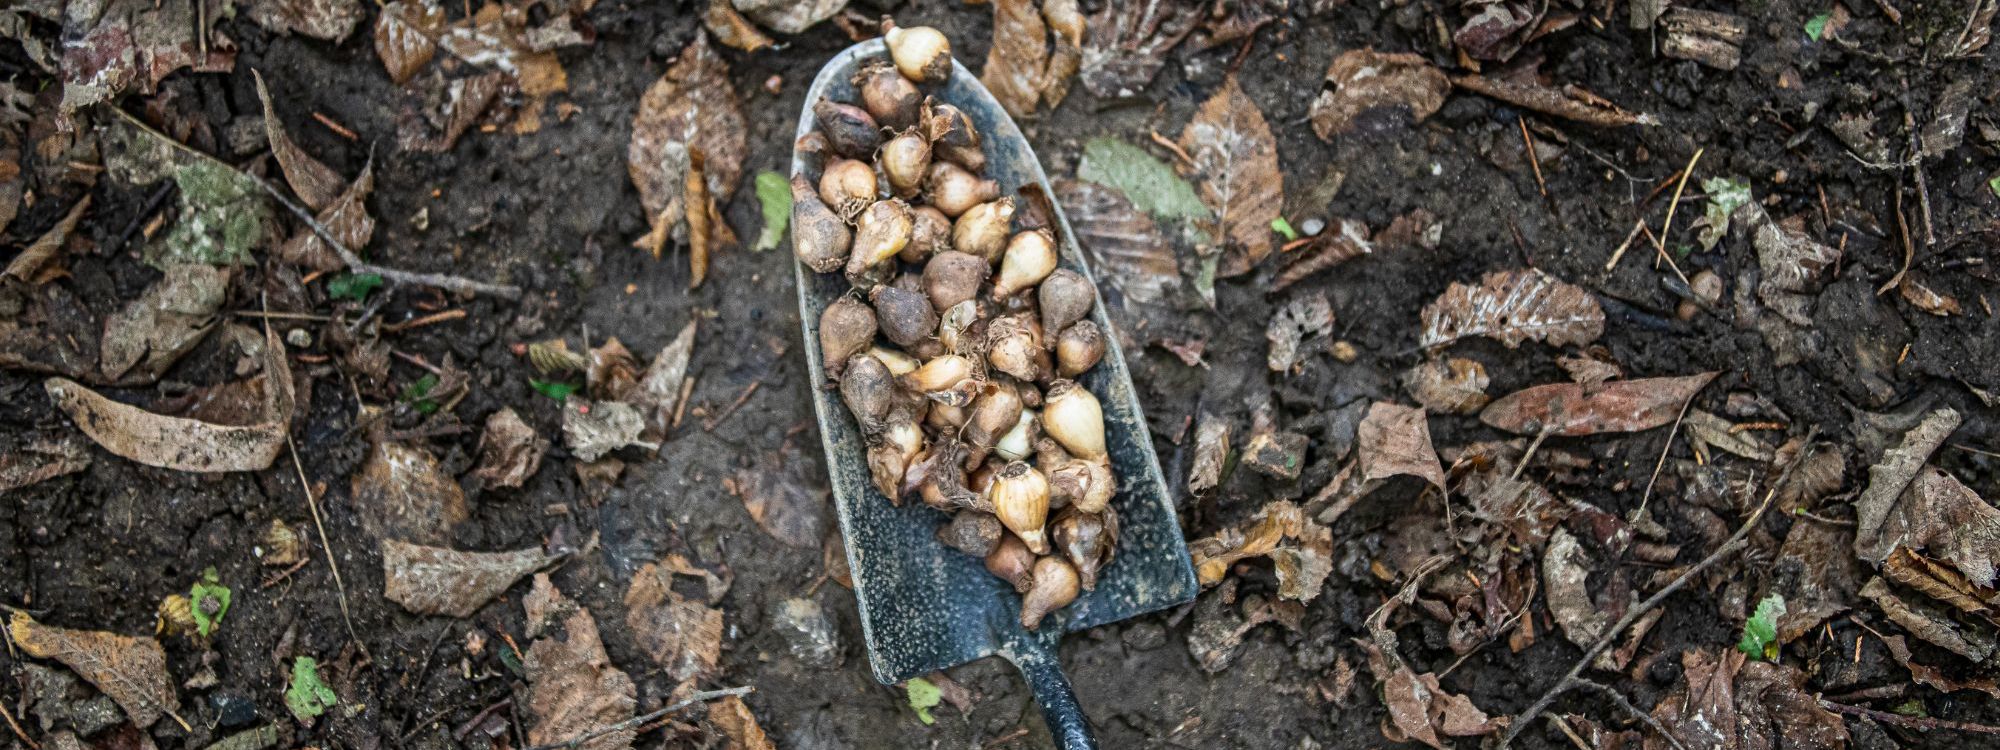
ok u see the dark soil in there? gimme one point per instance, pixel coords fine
(554, 212)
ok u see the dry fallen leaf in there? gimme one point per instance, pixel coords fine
(1706, 430)
(1395, 440)
(1018, 57)
(117, 46)
(185, 444)
(466, 102)
(739, 726)
(789, 16)
(509, 450)
(1451, 385)
(1302, 565)
(316, 184)
(1589, 372)
(1296, 330)
(1930, 623)
(347, 219)
(1346, 240)
(1565, 572)
(1127, 44)
(782, 505)
(331, 20)
(1890, 479)
(573, 687)
(406, 33)
(439, 581)
(33, 264)
(1211, 450)
(682, 635)
(1927, 299)
(1725, 701)
(1376, 91)
(401, 492)
(41, 460)
(1419, 708)
(1498, 29)
(659, 391)
(152, 332)
(1569, 410)
(1939, 515)
(1512, 307)
(732, 29)
(1236, 158)
(691, 106)
(1790, 263)
(594, 429)
(1126, 247)
(133, 671)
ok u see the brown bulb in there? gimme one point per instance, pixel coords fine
(882, 232)
(845, 328)
(1020, 497)
(1087, 484)
(848, 187)
(1054, 587)
(972, 532)
(905, 159)
(953, 277)
(930, 234)
(850, 129)
(1087, 540)
(947, 418)
(1011, 561)
(820, 239)
(869, 390)
(905, 317)
(1028, 259)
(949, 380)
(890, 98)
(995, 412)
(1014, 346)
(982, 231)
(896, 447)
(953, 136)
(1079, 348)
(1066, 297)
(954, 190)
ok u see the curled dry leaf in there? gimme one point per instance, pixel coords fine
(499, 38)
(1450, 385)
(594, 429)
(1127, 44)
(152, 332)
(1705, 429)
(509, 450)
(401, 492)
(1498, 29)
(406, 34)
(1236, 158)
(573, 687)
(316, 184)
(41, 460)
(1930, 623)
(1395, 440)
(781, 503)
(1565, 573)
(691, 106)
(439, 581)
(1790, 263)
(1216, 638)
(1126, 247)
(1019, 56)
(1302, 566)
(789, 16)
(1939, 581)
(346, 218)
(185, 444)
(331, 20)
(1512, 307)
(1211, 451)
(1589, 372)
(33, 264)
(682, 635)
(1890, 479)
(465, 103)
(1296, 330)
(1419, 707)
(1376, 91)
(1346, 240)
(1939, 515)
(659, 391)
(1569, 410)
(732, 29)
(732, 716)
(133, 671)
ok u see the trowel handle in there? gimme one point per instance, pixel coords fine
(1071, 729)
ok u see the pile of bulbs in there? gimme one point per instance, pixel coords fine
(972, 407)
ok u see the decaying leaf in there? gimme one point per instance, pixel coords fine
(1377, 91)
(1789, 262)
(691, 106)
(406, 33)
(1589, 372)
(1395, 440)
(789, 16)
(41, 460)
(594, 429)
(682, 635)
(1281, 525)
(1725, 702)
(1890, 479)
(1296, 330)
(509, 450)
(1419, 707)
(401, 492)
(658, 394)
(1150, 185)
(1211, 451)
(1448, 385)
(497, 37)
(732, 29)
(782, 505)
(113, 47)
(1941, 516)
(331, 20)
(1127, 249)
(1944, 680)
(1939, 581)
(1710, 431)
(1128, 43)
(316, 184)
(466, 102)
(223, 217)
(1930, 623)
(1565, 573)
(185, 444)
(152, 332)
(573, 687)
(1346, 240)
(439, 581)
(1216, 638)
(1512, 307)
(133, 671)
(1236, 158)
(347, 219)
(33, 264)
(1018, 58)
(1568, 410)
(738, 725)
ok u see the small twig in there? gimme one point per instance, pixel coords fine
(339, 586)
(1179, 153)
(282, 315)
(1660, 242)
(1567, 732)
(280, 576)
(11, 724)
(1671, 434)
(701, 697)
(431, 319)
(1913, 722)
(1540, 435)
(709, 425)
(336, 127)
(1627, 707)
(681, 405)
(1018, 733)
(1619, 254)
(1534, 159)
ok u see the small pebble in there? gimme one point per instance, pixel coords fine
(298, 338)
(1312, 227)
(808, 632)
(1344, 351)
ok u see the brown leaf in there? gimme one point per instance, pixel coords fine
(1944, 680)
(789, 16)
(1777, 710)
(691, 106)
(331, 20)
(659, 391)
(1495, 32)
(346, 219)
(1211, 450)
(573, 687)
(1927, 622)
(41, 460)
(402, 493)
(732, 29)
(1587, 372)
(1302, 569)
(611, 372)
(781, 503)
(594, 429)
(1376, 90)
(509, 450)
(1701, 711)
(1303, 321)
(1279, 521)
(439, 581)
(1395, 440)
(126, 45)
(32, 265)
(1452, 385)
(1419, 708)
(1880, 514)
(700, 207)
(1707, 430)
(1236, 157)
(1127, 44)
(1565, 575)
(1018, 57)
(1569, 102)
(499, 38)
(406, 34)
(1345, 241)
(682, 635)
(1789, 262)
(739, 726)
(152, 332)
(1512, 307)
(1567, 410)
(316, 184)
(133, 671)
(466, 102)
(185, 444)
(1126, 247)
(1938, 581)
(1927, 299)
(1940, 515)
